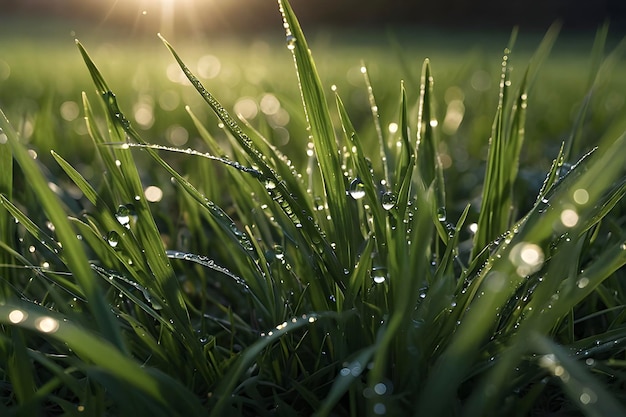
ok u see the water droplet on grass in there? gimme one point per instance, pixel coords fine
(125, 214)
(291, 42)
(388, 200)
(113, 239)
(47, 324)
(441, 214)
(17, 316)
(270, 184)
(357, 189)
(379, 274)
(279, 252)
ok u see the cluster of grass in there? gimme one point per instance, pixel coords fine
(345, 281)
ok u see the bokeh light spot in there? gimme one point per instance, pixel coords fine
(47, 324)
(246, 107)
(17, 316)
(569, 218)
(69, 110)
(581, 196)
(153, 194)
(527, 257)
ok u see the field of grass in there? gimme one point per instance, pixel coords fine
(370, 233)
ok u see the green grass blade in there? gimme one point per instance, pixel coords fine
(322, 132)
(376, 117)
(346, 378)
(581, 386)
(73, 251)
(273, 183)
(223, 394)
(108, 358)
(78, 179)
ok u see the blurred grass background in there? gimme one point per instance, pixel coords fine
(247, 67)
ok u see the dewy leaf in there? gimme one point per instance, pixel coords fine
(274, 185)
(322, 132)
(74, 254)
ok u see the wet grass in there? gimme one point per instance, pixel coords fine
(354, 250)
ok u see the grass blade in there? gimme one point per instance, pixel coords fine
(322, 132)
(73, 252)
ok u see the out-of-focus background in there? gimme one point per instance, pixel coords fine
(237, 48)
(220, 15)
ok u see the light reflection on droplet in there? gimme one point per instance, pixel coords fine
(17, 316)
(588, 396)
(380, 388)
(527, 257)
(153, 194)
(380, 408)
(569, 218)
(357, 189)
(581, 196)
(47, 324)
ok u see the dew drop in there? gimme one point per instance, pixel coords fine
(379, 274)
(388, 200)
(270, 185)
(291, 42)
(125, 214)
(582, 282)
(357, 189)
(47, 324)
(380, 388)
(279, 252)
(17, 316)
(113, 239)
(441, 214)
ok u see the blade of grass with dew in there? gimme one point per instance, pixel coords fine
(126, 185)
(376, 118)
(160, 388)
(581, 386)
(501, 275)
(494, 214)
(69, 286)
(348, 375)
(126, 182)
(223, 395)
(293, 183)
(274, 185)
(506, 142)
(364, 179)
(73, 252)
(426, 157)
(404, 165)
(322, 132)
